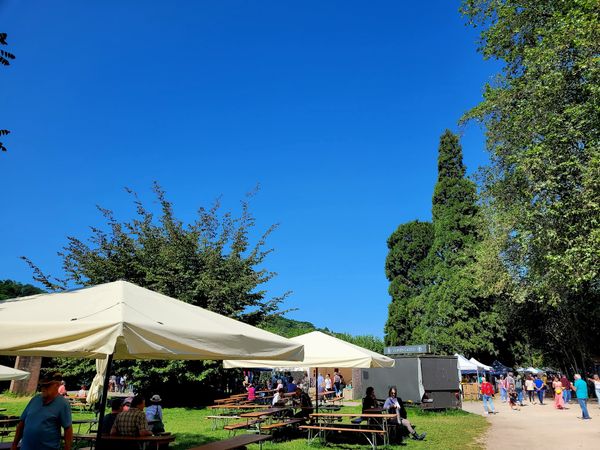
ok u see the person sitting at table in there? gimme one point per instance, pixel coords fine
(62, 389)
(302, 400)
(291, 386)
(127, 403)
(116, 406)
(278, 398)
(395, 405)
(154, 415)
(251, 392)
(369, 401)
(133, 421)
(82, 392)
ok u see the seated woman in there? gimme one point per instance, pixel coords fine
(395, 406)
(369, 401)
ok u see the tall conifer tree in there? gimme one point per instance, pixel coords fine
(453, 315)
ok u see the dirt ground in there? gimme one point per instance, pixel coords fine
(540, 427)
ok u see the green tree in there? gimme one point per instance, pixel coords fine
(405, 269)
(541, 117)
(455, 316)
(13, 289)
(209, 263)
(5, 58)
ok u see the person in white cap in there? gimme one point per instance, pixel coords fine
(154, 415)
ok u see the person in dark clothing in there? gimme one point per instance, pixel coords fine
(116, 406)
(369, 401)
(302, 400)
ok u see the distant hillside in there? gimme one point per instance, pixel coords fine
(290, 328)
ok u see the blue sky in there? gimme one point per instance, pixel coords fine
(335, 108)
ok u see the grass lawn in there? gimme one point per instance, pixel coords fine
(445, 430)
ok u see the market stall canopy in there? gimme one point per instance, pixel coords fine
(499, 369)
(481, 365)
(8, 373)
(322, 350)
(130, 322)
(464, 365)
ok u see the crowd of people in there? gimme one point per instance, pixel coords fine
(48, 412)
(117, 383)
(514, 390)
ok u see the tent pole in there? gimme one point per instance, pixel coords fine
(103, 399)
(316, 389)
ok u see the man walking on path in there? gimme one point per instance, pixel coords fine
(581, 390)
(540, 389)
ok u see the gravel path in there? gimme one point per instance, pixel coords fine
(540, 427)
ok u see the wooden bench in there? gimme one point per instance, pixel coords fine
(237, 442)
(224, 418)
(285, 423)
(240, 425)
(322, 431)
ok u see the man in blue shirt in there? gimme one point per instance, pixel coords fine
(43, 417)
(540, 388)
(581, 390)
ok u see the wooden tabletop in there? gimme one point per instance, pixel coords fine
(384, 416)
(160, 439)
(264, 412)
(250, 406)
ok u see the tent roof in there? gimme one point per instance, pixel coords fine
(132, 322)
(8, 373)
(481, 365)
(323, 350)
(464, 364)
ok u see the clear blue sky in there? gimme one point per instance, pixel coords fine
(334, 107)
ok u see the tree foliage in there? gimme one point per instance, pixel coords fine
(432, 269)
(5, 59)
(209, 263)
(542, 187)
(405, 268)
(14, 289)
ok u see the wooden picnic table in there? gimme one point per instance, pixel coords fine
(258, 415)
(243, 406)
(325, 422)
(151, 441)
(8, 426)
(80, 422)
(235, 442)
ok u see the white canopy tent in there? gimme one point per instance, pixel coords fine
(466, 366)
(8, 373)
(124, 321)
(481, 366)
(130, 322)
(321, 350)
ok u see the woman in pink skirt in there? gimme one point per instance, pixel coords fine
(559, 403)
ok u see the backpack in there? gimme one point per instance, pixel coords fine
(157, 427)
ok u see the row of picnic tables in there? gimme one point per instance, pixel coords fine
(260, 418)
